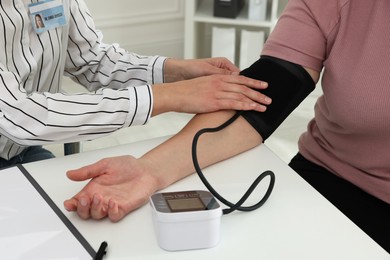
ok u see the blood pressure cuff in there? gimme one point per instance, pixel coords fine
(288, 85)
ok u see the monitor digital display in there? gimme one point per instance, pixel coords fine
(185, 204)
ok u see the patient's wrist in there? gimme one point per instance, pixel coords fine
(158, 180)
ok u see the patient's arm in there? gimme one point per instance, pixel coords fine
(122, 184)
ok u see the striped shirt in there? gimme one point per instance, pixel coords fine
(34, 111)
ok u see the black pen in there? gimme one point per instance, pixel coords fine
(102, 251)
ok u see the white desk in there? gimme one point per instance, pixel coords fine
(295, 223)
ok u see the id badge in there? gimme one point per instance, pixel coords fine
(47, 15)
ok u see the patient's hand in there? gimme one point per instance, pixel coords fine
(118, 186)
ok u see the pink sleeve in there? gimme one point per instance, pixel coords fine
(301, 34)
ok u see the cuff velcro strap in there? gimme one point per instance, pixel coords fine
(288, 85)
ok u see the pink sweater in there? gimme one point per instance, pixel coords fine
(350, 40)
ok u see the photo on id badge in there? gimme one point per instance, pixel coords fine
(47, 15)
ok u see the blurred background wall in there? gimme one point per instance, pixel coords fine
(146, 27)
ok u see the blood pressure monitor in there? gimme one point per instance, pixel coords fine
(186, 219)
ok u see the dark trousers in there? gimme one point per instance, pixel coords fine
(369, 213)
(31, 154)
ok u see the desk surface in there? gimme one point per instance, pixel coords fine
(295, 223)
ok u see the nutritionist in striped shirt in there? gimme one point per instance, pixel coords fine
(125, 89)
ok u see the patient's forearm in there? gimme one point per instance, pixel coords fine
(172, 160)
